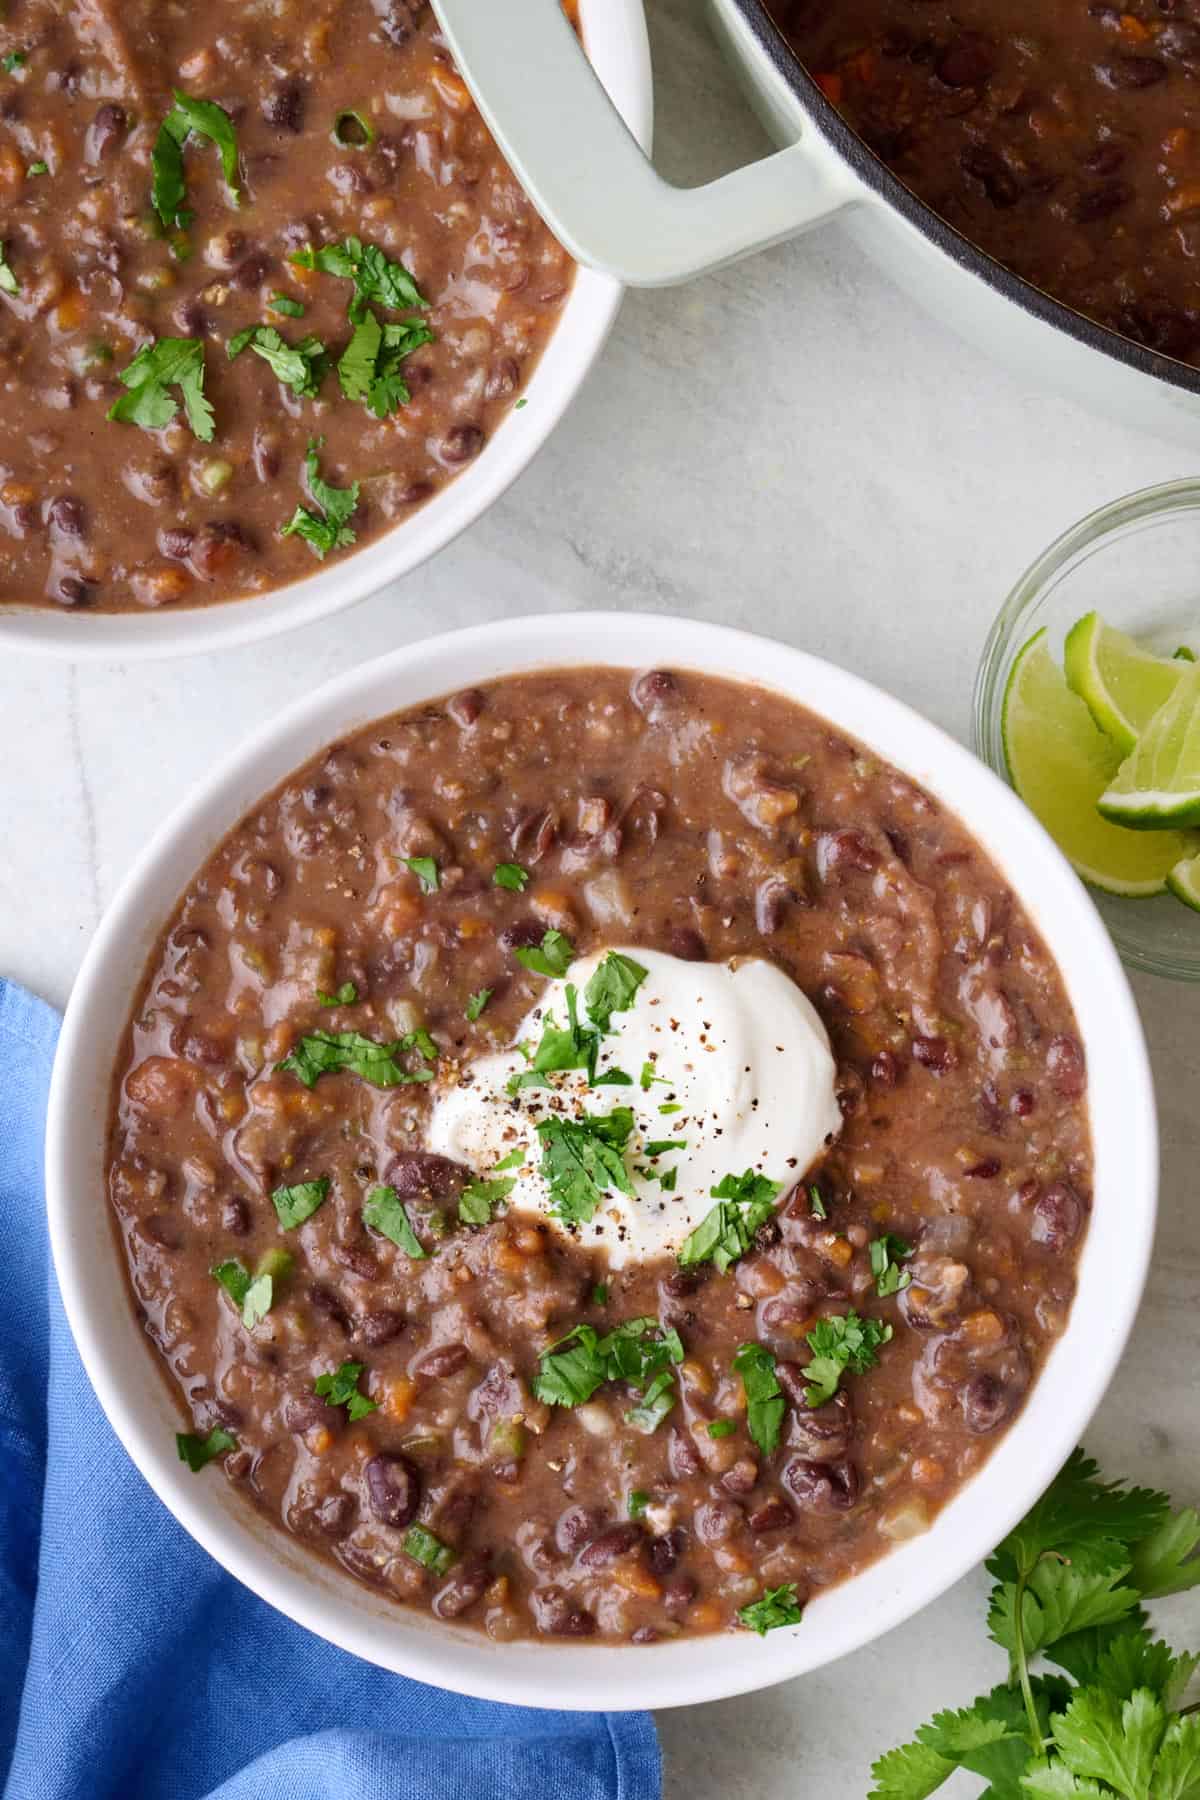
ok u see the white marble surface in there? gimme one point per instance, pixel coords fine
(790, 447)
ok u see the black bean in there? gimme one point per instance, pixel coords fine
(235, 1216)
(986, 1170)
(104, 133)
(1179, 41)
(447, 1359)
(252, 272)
(575, 1528)
(665, 1551)
(678, 1595)
(466, 707)
(1106, 158)
(773, 1515)
(687, 944)
(335, 1515)
(839, 851)
(1101, 202)
(305, 1409)
(1057, 1218)
(504, 378)
(323, 1300)
(74, 590)
(934, 1053)
(611, 1545)
(986, 166)
(1022, 1103)
(66, 517)
(462, 443)
(987, 1403)
(175, 541)
(742, 1478)
(822, 1487)
(655, 692)
(522, 934)
(532, 837)
(393, 1489)
(556, 1615)
(1131, 72)
(967, 61)
(380, 1326)
(284, 106)
(466, 1585)
(420, 1174)
(683, 1458)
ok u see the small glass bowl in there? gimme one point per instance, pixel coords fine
(1137, 563)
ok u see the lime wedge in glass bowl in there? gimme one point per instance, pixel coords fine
(1060, 763)
(1184, 882)
(1158, 784)
(1123, 685)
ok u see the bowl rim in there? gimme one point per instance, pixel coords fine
(1014, 625)
(1112, 1269)
(617, 41)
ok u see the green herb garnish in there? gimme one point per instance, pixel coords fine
(369, 367)
(187, 118)
(613, 988)
(764, 1396)
(840, 1344)
(1071, 1583)
(254, 1295)
(301, 367)
(640, 1352)
(637, 1503)
(385, 1212)
(38, 168)
(582, 1159)
(553, 958)
(727, 1232)
(477, 1200)
(511, 876)
(289, 308)
(477, 1002)
(171, 362)
(560, 1049)
(600, 1294)
(648, 1079)
(340, 1388)
(816, 1203)
(428, 1550)
(660, 1146)
(329, 530)
(346, 995)
(778, 1606)
(375, 278)
(331, 1052)
(14, 60)
(887, 1253)
(8, 281)
(197, 1452)
(295, 1204)
(722, 1428)
(426, 871)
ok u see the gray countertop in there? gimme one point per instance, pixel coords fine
(787, 446)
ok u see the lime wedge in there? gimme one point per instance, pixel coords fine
(1060, 764)
(1124, 685)
(1184, 882)
(1159, 783)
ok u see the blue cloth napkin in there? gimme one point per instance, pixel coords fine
(131, 1666)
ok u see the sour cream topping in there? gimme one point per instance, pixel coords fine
(729, 1066)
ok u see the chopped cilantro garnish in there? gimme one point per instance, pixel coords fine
(196, 1451)
(840, 1344)
(171, 362)
(722, 1428)
(254, 1295)
(188, 117)
(600, 1294)
(289, 308)
(887, 1253)
(38, 168)
(560, 1049)
(330, 1052)
(15, 59)
(426, 871)
(340, 1388)
(816, 1202)
(295, 1204)
(301, 367)
(613, 1078)
(764, 1396)
(511, 876)
(346, 995)
(746, 1202)
(385, 1212)
(637, 1503)
(582, 1160)
(513, 1160)
(668, 1179)
(477, 1002)
(648, 1079)
(672, 1106)
(778, 1606)
(639, 1352)
(553, 958)
(660, 1146)
(428, 1550)
(613, 988)
(8, 281)
(369, 368)
(330, 530)
(477, 1200)
(375, 278)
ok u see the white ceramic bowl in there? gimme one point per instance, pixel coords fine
(615, 35)
(129, 1381)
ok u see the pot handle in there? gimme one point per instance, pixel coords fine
(586, 173)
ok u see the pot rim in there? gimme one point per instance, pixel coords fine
(875, 175)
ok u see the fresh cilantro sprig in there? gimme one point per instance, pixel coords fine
(158, 367)
(369, 367)
(330, 1052)
(346, 995)
(385, 1212)
(727, 1232)
(840, 1344)
(640, 1353)
(561, 1048)
(340, 1388)
(551, 957)
(887, 1253)
(511, 876)
(254, 1295)
(778, 1606)
(1072, 1580)
(476, 1003)
(613, 988)
(295, 1204)
(330, 528)
(376, 278)
(477, 1199)
(582, 1159)
(301, 367)
(764, 1397)
(189, 118)
(198, 1452)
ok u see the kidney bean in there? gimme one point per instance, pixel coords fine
(358, 1259)
(216, 547)
(419, 1174)
(823, 1433)
(1022, 1103)
(1057, 1218)
(467, 1584)
(504, 378)
(532, 838)
(822, 1487)
(393, 1489)
(714, 1521)
(655, 693)
(66, 517)
(380, 1326)
(74, 590)
(1065, 1067)
(611, 1545)
(575, 1528)
(448, 1359)
(556, 1615)
(664, 1551)
(678, 1595)
(844, 852)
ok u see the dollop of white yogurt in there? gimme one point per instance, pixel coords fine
(730, 1062)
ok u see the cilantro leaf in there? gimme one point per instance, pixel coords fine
(654, 1404)
(511, 876)
(260, 1297)
(13, 60)
(561, 1049)
(426, 871)
(746, 1202)
(301, 367)
(346, 995)
(1112, 1740)
(330, 530)
(613, 988)
(778, 1606)
(1054, 1781)
(1177, 1767)
(283, 303)
(839, 1344)
(476, 1201)
(375, 278)
(476, 1003)
(639, 1352)
(1167, 1560)
(428, 1550)
(234, 1277)
(765, 1404)
(330, 1052)
(582, 1160)
(197, 1452)
(384, 1210)
(369, 367)
(553, 958)
(8, 281)
(887, 1253)
(340, 1388)
(295, 1204)
(187, 118)
(1078, 1508)
(1063, 1595)
(171, 362)
(912, 1772)
(816, 1202)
